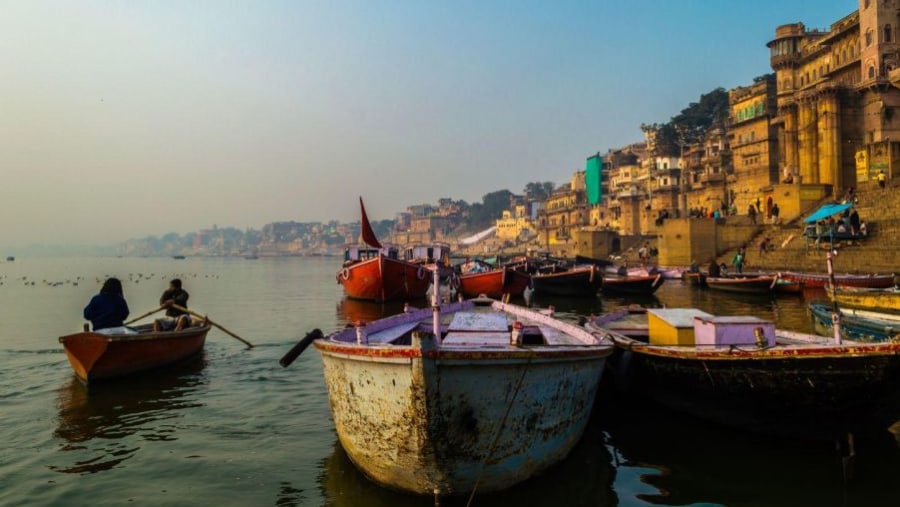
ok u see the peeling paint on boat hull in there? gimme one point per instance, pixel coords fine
(427, 420)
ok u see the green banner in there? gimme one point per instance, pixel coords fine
(592, 176)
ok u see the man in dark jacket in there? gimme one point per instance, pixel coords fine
(175, 319)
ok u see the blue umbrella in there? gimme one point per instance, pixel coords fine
(826, 211)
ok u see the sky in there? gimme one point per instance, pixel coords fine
(128, 119)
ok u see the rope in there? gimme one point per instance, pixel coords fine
(499, 429)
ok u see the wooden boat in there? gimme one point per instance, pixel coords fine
(441, 401)
(642, 285)
(794, 384)
(885, 300)
(672, 273)
(377, 273)
(855, 324)
(494, 283)
(819, 280)
(783, 286)
(748, 285)
(632, 271)
(431, 256)
(96, 356)
(582, 259)
(695, 278)
(578, 281)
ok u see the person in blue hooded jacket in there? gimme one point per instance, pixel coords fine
(107, 309)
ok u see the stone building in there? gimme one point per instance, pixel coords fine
(837, 109)
(753, 142)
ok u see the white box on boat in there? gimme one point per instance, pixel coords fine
(732, 330)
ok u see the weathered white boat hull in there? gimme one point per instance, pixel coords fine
(438, 421)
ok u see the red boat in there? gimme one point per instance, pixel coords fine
(96, 356)
(374, 274)
(494, 283)
(377, 273)
(819, 280)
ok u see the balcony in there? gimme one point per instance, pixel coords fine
(712, 178)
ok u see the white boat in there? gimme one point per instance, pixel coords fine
(460, 397)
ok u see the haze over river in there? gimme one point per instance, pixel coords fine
(234, 428)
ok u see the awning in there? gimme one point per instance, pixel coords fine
(827, 211)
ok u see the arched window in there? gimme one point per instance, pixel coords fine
(871, 72)
(844, 55)
(887, 33)
(868, 37)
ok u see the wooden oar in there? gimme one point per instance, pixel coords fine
(207, 319)
(298, 349)
(145, 315)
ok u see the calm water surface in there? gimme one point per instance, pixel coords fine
(234, 428)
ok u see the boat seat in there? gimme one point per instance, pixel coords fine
(555, 337)
(392, 333)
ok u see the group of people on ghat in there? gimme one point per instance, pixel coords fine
(108, 310)
(848, 226)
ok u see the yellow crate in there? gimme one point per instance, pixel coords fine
(673, 326)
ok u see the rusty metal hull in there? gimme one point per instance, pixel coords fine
(430, 418)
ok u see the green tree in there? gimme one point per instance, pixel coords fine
(539, 190)
(691, 124)
(482, 215)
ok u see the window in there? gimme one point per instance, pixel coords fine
(887, 33)
(871, 72)
(844, 55)
(868, 38)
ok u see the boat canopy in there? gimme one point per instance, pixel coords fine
(827, 210)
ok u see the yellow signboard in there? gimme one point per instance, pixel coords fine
(862, 165)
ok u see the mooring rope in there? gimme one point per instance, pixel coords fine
(500, 428)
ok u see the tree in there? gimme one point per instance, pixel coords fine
(691, 124)
(539, 191)
(483, 215)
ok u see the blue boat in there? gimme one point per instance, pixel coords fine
(860, 325)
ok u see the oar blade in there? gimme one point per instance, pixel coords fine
(298, 349)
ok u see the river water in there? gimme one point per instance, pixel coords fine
(234, 428)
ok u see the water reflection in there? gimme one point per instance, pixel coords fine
(98, 422)
(585, 478)
(688, 461)
(351, 311)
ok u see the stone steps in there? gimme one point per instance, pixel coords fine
(879, 253)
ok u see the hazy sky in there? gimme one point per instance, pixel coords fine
(123, 119)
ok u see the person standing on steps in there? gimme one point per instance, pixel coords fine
(738, 261)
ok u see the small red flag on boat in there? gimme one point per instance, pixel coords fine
(368, 235)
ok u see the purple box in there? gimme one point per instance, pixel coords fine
(732, 331)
